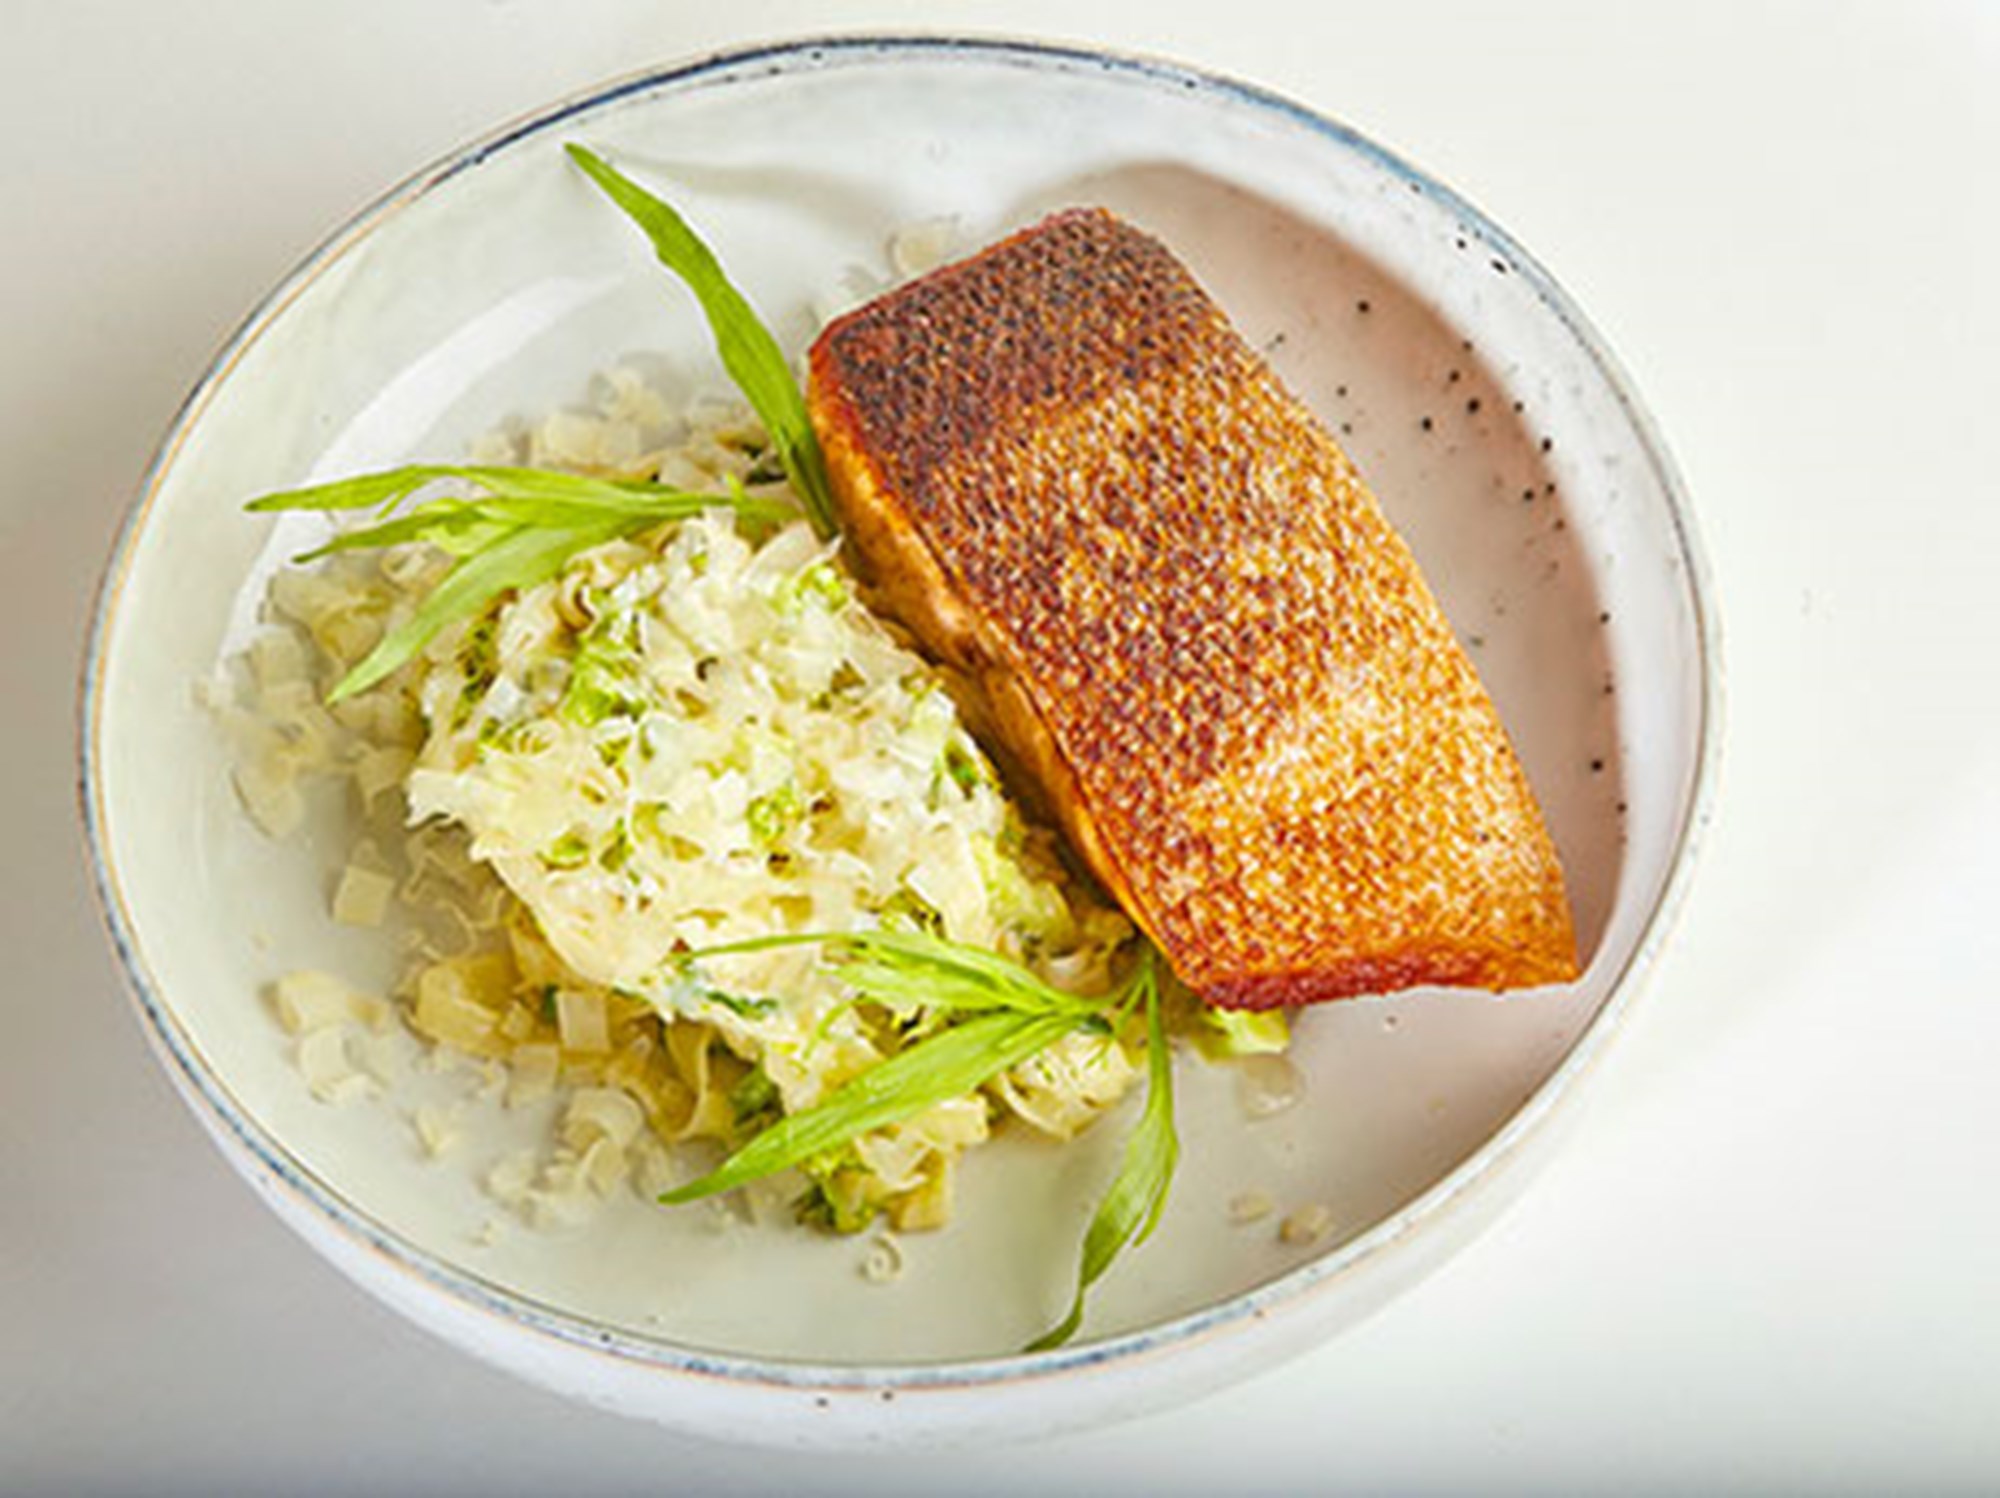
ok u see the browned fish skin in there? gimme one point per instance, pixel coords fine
(1194, 627)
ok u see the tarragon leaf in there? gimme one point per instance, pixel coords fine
(362, 492)
(460, 531)
(904, 967)
(941, 1067)
(388, 486)
(748, 351)
(1131, 1207)
(521, 559)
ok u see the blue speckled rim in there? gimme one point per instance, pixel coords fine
(222, 1112)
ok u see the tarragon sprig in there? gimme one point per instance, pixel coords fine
(524, 524)
(1012, 1015)
(517, 528)
(948, 1064)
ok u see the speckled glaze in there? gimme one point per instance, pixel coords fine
(1500, 435)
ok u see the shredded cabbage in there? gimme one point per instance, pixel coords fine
(692, 737)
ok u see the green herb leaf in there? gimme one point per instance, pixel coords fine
(749, 353)
(1131, 1207)
(915, 967)
(519, 529)
(521, 559)
(364, 492)
(946, 1065)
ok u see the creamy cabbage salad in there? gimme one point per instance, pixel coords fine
(682, 740)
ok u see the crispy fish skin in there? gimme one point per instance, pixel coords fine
(1192, 625)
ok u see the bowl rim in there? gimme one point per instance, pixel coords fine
(220, 1112)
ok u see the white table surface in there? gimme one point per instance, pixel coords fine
(1769, 1257)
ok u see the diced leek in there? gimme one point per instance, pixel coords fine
(1226, 1033)
(581, 1020)
(310, 1000)
(363, 896)
(596, 1113)
(450, 1011)
(532, 1074)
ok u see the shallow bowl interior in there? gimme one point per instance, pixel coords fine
(1495, 428)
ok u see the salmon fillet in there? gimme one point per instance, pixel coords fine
(1187, 623)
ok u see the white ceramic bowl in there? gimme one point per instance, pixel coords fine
(1498, 430)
